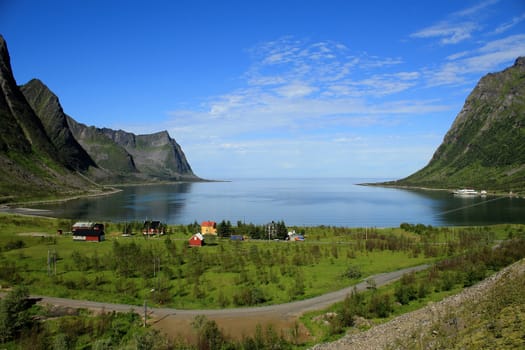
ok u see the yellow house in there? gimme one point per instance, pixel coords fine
(209, 228)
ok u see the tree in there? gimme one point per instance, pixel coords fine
(209, 336)
(224, 229)
(14, 314)
(406, 290)
(282, 230)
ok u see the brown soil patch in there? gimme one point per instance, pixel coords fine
(235, 328)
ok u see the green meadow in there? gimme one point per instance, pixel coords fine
(165, 271)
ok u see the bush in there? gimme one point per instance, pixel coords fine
(353, 272)
(17, 244)
(209, 335)
(381, 305)
(406, 291)
(248, 296)
(14, 314)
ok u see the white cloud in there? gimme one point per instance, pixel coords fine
(510, 24)
(450, 33)
(458, 26)
(304, 106)
(484, 59)
(476, 9)
(296, 89)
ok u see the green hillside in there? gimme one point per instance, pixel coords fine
(485, 146)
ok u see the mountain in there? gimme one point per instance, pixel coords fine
(30, 165)
(46, 153)
(47, 107)
(131, 158)
(485, 146)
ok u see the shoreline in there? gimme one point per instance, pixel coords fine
(450, 190)
(111, 189)
(23, 207)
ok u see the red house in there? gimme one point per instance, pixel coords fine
(197, 240)
(88, 231)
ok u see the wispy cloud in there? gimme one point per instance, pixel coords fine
(308, 102)
(450, 33)
(486, 58)
(510, 24)
(301, 101)
(476, 9)
(457, 27)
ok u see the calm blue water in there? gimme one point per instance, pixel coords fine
(311, 202)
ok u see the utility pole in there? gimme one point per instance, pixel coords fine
(145, 312)
(51, 263)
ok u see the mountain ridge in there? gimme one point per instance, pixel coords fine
(29, 162)
(485, 145)
(45, 153)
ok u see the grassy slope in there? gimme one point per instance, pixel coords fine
(485, 146)
(280, 271)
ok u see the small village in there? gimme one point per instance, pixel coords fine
(94, 232)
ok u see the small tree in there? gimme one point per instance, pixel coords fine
(209, 336)
(14, 315)
(224, 229)
(282, 230)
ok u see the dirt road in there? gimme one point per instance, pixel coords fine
(234, 322)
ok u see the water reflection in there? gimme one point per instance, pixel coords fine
(132, 203)
(312, 202)
(456, 210)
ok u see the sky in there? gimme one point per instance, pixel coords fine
(273, 88)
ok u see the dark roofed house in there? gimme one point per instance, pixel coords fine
(88, 231)
(152, 228)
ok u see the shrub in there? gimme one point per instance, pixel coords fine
(248, 296)
(406, 291)
(381, 305)
(15, 244)
(353, 272)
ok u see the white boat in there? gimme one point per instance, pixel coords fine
(466, 192)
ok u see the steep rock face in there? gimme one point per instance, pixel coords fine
(47, 107)
(29, 163)
(44, 152)
(21, 128)
(130, 158)
(114, 159)
(485, 146)
(157, 154)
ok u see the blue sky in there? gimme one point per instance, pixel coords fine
(318, 88)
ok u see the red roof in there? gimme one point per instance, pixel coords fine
(208, 223)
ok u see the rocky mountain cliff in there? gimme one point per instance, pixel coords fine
(47, 107)
(485, 146)
(44, 152)
(129, 157)
(30, 165)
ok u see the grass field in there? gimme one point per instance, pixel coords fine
(166, 272)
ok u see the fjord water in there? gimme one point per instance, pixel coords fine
(303, 202)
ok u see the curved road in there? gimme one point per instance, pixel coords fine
(288, 311)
